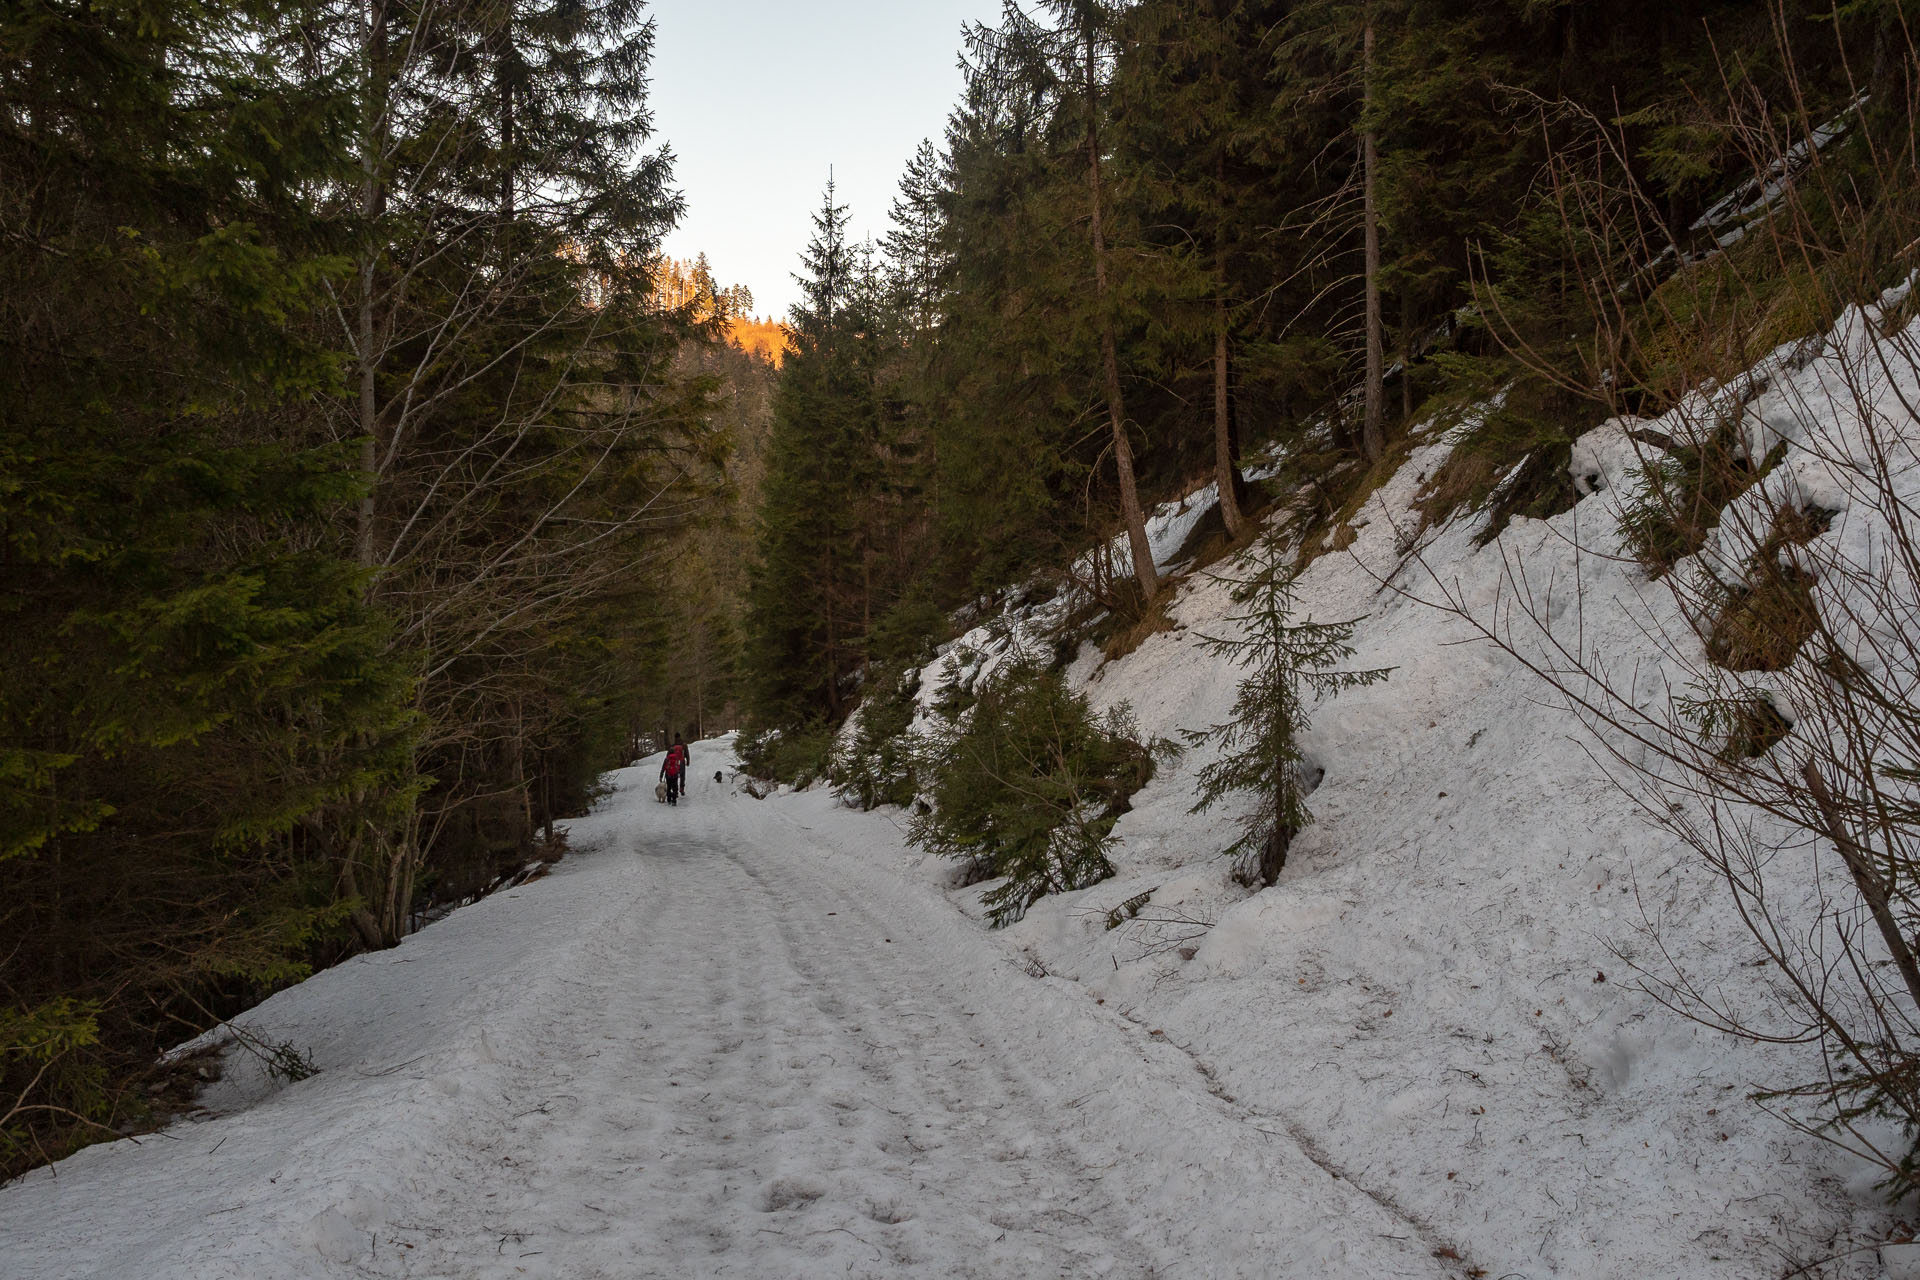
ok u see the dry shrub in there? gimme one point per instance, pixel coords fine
(1462, 480)
(1754, 726)
(1714, 319)
(1330, 490)
(551, 845)
(1761, 626)
(1685, 493)
(1795, 527)
(1511, 463)
(1128, 636)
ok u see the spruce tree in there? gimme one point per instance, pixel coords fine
(1034, 393)
(188, 666)
(831, 502)
(1082, 50)
(1193, 128)
(915, 254)
(1005, 389)
(1028, 785)
(1260, 744)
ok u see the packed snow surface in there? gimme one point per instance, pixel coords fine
(712, 1043)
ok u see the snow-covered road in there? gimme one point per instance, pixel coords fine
(716, 1042)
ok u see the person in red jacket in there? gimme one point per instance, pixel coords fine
(674, 769)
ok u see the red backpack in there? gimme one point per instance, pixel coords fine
(676, 758)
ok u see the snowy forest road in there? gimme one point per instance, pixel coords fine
(723, 1039)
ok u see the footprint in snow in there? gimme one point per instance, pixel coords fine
(790, 1193)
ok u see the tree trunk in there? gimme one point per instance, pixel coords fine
(372, 919)
(1866, 878)
(506, 149)
(365, 926)
(1236, 446)
(1143, 567)
(373, 139)
(1406, 358)
(521, 783)
(1226, 475)
(831, 655)
(1273, 854)
(1373, 438)
(505, 64)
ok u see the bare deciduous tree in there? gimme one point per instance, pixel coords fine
(522, 431)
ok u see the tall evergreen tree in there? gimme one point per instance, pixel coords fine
(1083, 50)
(916, 257)
(1006, 393)
(1033, 304)
(188, 665)
(1192, 124)
(830, 496)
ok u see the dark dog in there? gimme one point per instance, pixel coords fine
(717, 773)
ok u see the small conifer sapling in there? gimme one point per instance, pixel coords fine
(1260, 743)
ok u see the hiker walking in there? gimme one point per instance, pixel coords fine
(674, 769)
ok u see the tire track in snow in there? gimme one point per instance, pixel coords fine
(1208, 1191)
(1438, 1244)
(889, 992)
(712, 1044)
(801, 1107)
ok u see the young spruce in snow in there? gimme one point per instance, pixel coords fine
(1027, 785)
(1261, 742)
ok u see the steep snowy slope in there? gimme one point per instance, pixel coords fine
(1438, 998)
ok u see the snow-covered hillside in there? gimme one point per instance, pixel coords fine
(768, 1038)
(1439, 997)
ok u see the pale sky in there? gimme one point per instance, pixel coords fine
(758, 98)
